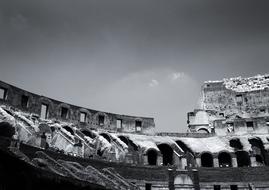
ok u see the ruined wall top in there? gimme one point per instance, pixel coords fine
(48, 108)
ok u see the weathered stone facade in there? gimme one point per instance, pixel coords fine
(82, 117)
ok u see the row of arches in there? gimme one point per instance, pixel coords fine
(225, 159)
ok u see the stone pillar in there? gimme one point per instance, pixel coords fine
(183, 162)
(216, 162)
(198, 162)
(145, 159)
(159, 159)
(176, 159)
(234, 162)
(253, 161)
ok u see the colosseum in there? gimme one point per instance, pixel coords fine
(46, 143)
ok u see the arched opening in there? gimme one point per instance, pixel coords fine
(129, 143)
(189, 153)
(67, 128)
(88, 134)
(152, 157)
(235, 143)
(124, 139)
(6, 129)
(167, 153)
(258, 150)
(202, 130)
(206, 160)
(225, 160)
(106, 136)
(242, 158)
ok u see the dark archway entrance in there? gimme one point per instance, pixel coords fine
(88, 133)
(69, 130)
(6, 129)
(225, 159)
(167, 153)
(152, 157)
(242, 158)
(106, 136)
(206, 160)
(259, 151)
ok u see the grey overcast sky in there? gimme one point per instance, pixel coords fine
(138, 57)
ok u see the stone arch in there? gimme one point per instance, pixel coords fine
(106, 136)
(225, 159)
(69, 129)
(88, 133)
(128, 142)
(152, 155)
(96, 119)
(184, 147)
(236, 143)
(167, 153)
(202, 130)
(206, 159)
(242, 158)
(258, 150)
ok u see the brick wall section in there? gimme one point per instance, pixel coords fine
(247, 174)
(14, 96)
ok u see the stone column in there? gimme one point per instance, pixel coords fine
(183, 162)
(253, 161)
(234, 162)
(216, 162)
(198, 162)
(159, 159)
(145, 159)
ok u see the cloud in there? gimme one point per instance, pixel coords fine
(176, 76)
(153, 83)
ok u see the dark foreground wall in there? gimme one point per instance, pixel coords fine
(82, 117)
(17, 174)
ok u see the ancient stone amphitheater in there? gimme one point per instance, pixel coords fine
(46, 143)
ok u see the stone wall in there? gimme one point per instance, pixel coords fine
(79, 116)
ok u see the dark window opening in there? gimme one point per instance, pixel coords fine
(3, 93)
(262, 110)
(24, 101)
(148, 186)
(82, 117)
(221, 114)
(167, 153)
(152, 157)
(239, 99)
(138, 125)
(250, 125)
(216, 187)
(225, 160)
(44, 111)
(101, 120)
(242, 158)
(119, 123)
(64, 113)
(207, 160)
(234, 187)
